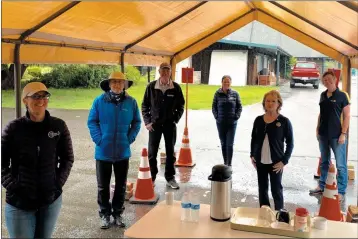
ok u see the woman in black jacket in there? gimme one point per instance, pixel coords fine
(226, 109)
(268, 155)
(37, 156)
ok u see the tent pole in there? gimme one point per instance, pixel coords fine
(17, 80)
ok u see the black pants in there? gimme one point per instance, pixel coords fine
(263, 173)
(169, 130)
(104, 173)
(227, 136)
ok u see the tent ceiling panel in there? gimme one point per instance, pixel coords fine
(330, 15)
(114, 22)
(24, 15)
(309, 29)
(195, 25)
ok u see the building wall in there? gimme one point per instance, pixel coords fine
(257, 59)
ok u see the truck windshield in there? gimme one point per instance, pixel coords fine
(305, 65)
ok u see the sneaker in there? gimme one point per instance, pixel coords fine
(105, 221)
(316, 191)
(118, 221)
(340, 197)
(173, 184)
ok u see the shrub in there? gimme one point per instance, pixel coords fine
(34, 71)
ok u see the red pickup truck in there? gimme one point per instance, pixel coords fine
(305, 72)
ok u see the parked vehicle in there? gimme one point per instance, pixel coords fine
(305, 72)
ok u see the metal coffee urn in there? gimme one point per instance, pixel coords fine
(221, 184)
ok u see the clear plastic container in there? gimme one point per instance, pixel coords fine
(195, 207)
(185, 208)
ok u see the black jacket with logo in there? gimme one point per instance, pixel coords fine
(36, 160)
(159, 107)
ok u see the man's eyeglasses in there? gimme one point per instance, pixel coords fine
(40, 97)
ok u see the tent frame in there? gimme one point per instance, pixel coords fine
(255, 13)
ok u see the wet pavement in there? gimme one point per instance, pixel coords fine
(79, 216)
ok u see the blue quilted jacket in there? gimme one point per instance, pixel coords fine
(113, 127)
(226, 108)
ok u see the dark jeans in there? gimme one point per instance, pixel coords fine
(33, 223)
(227, 137)
(104, 173)
(169, 130)
(263, 172)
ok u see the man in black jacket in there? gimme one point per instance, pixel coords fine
(37, 158)
(162, 108)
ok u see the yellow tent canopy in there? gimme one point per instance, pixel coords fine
(148, 33)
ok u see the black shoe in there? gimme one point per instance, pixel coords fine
(173, 184)
(105, 222)
(316, 191)
(118, 221)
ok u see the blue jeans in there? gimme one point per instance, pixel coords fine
(339, 150)
(33, 223)
(227, 136)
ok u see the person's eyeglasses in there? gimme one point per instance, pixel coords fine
(116, 82)
(40, 97)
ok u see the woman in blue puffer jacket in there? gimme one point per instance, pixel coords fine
(114, 122)
(227, 110)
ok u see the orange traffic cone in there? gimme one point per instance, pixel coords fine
(318, 174)
(330, 208)
(185, 157)
(144, 191)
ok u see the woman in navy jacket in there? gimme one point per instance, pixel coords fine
(269, 133)
(226, 110)
(114, 122)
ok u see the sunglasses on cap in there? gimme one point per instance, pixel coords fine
(40, 96)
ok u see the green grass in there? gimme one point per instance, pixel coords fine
(200, 96)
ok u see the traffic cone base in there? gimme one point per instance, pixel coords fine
(330, 206)
(144, 192)
(186, 154)
(150, 201)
